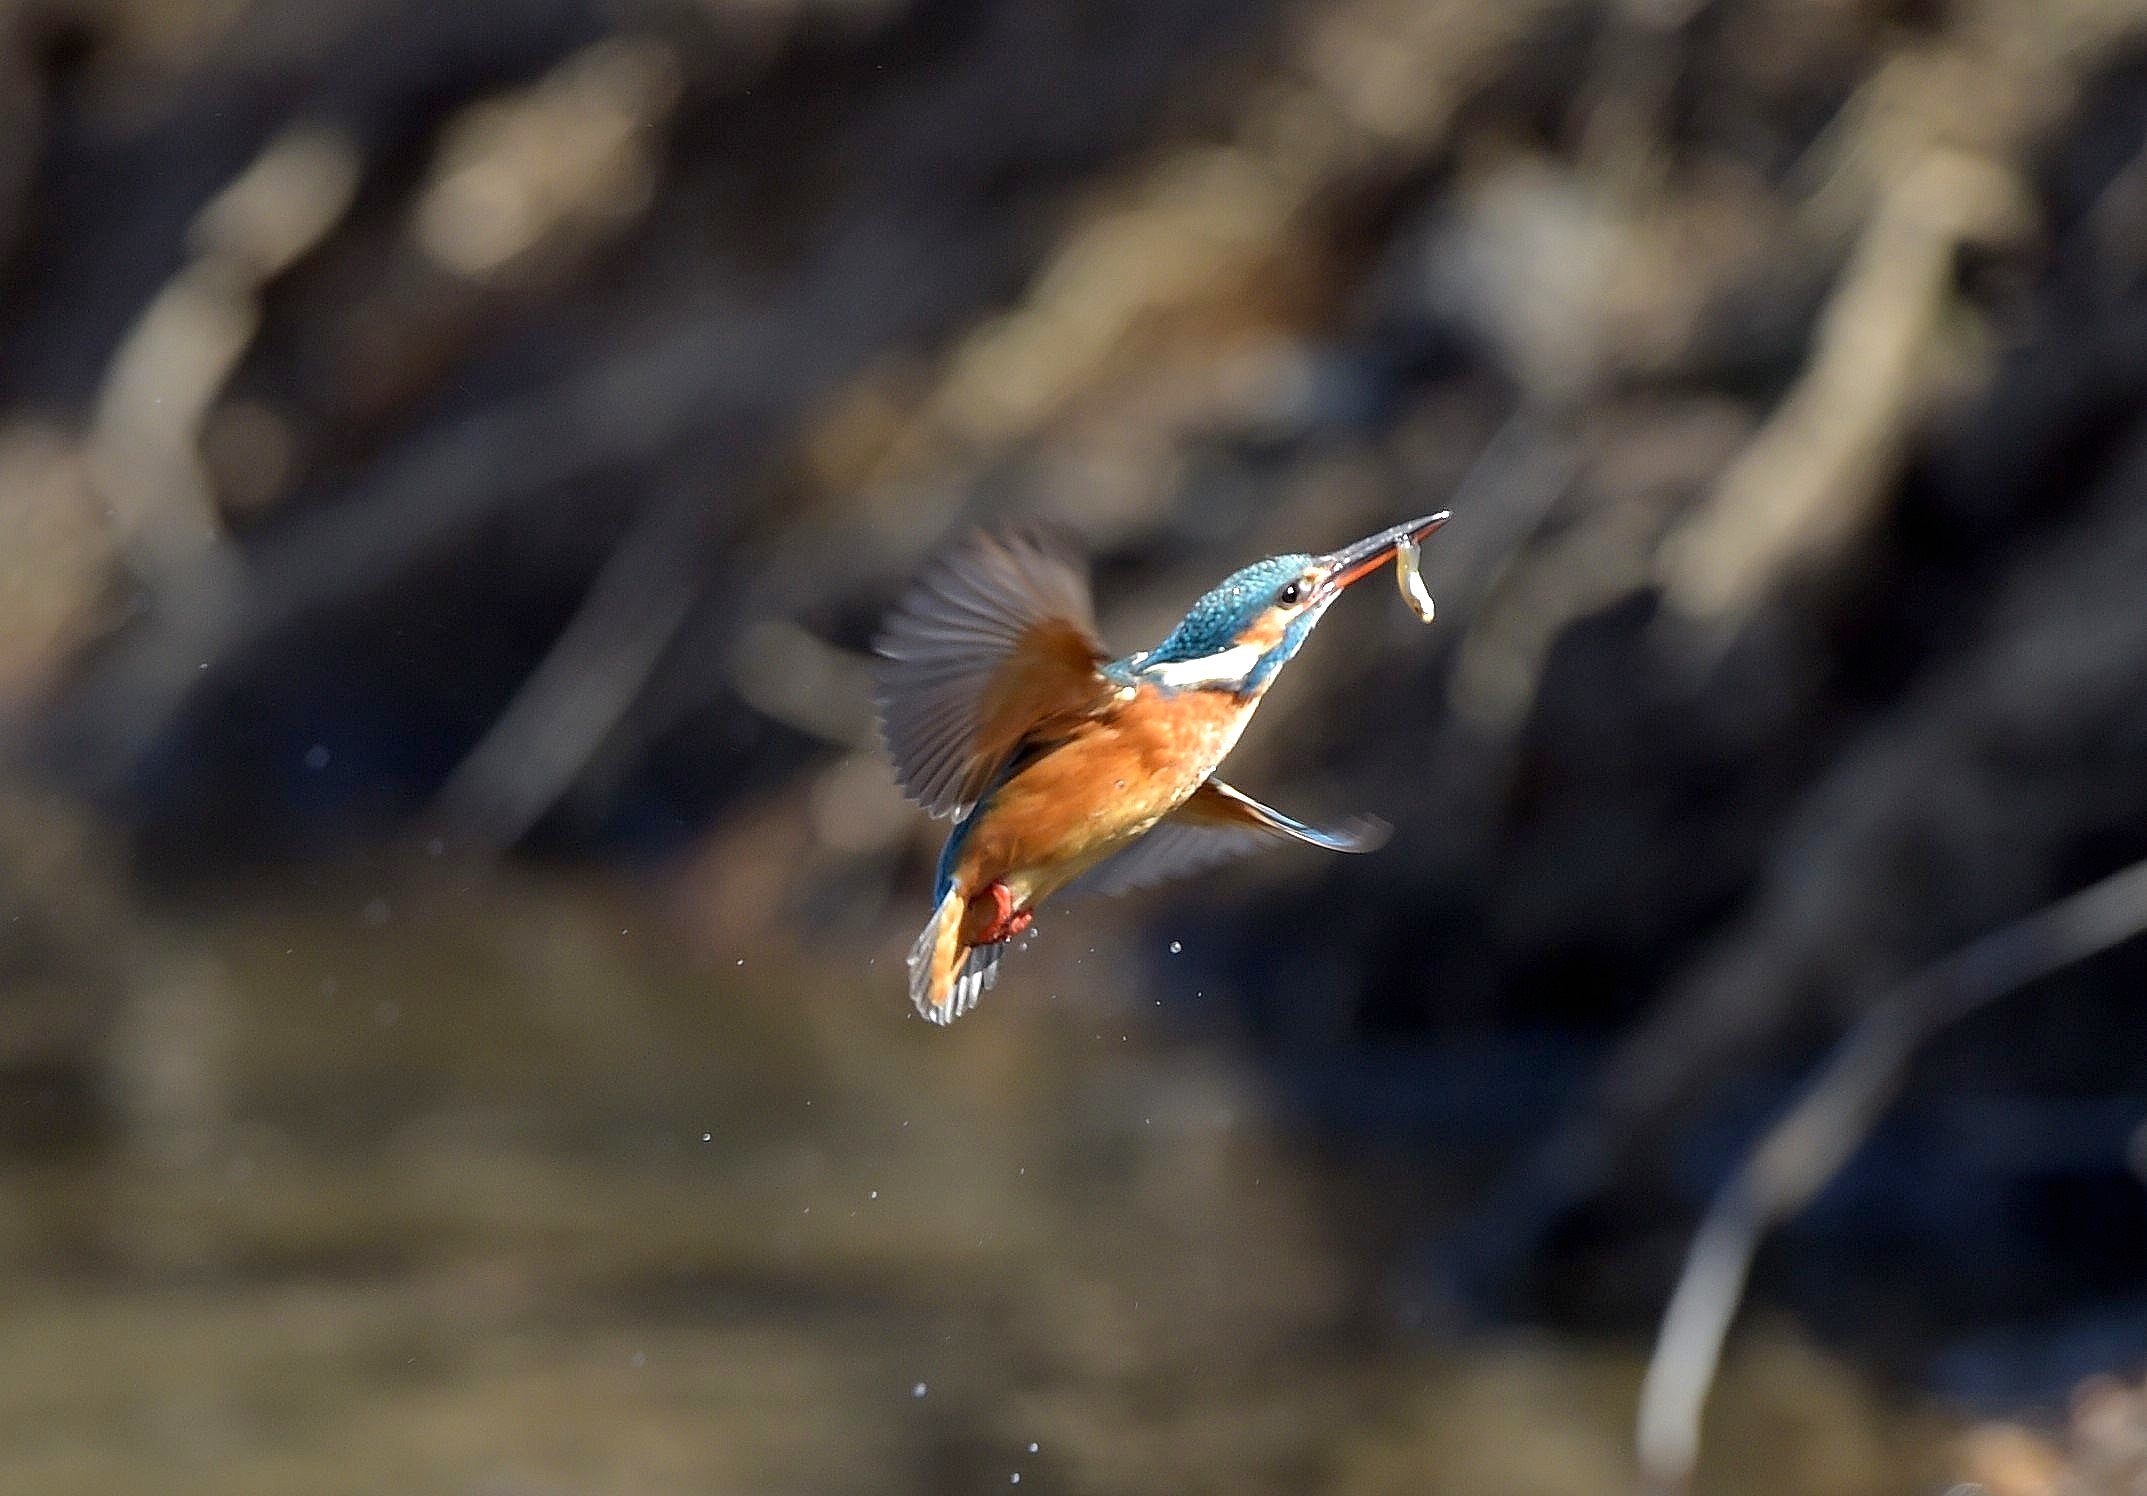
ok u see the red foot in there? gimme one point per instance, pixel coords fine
(1006, 921)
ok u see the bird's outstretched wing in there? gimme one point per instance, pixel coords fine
(993, 649)
(1215, 825)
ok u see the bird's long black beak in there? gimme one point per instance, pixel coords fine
(1369, 554)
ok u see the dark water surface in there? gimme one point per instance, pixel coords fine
(507, 1185)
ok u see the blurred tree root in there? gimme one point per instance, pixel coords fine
(1802, 1151)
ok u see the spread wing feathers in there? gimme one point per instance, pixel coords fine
(1215, 825)
(991, 649)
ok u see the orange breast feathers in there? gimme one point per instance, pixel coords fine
(1113, 777)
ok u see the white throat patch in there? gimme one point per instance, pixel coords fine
(1227, 667)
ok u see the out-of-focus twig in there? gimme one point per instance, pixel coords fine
(788, 674)
(1812, 480)
(1809, 1144)
(144, 438)
(1205, 237)
(556, 721)
(554, 167)
(727, 364)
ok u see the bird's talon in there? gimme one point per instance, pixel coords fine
(1003, 922)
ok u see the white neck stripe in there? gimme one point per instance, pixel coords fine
(1225, 667)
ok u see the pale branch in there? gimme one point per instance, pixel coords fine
(589, 680)
(1810, 1142)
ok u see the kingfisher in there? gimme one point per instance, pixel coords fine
(1065, 767)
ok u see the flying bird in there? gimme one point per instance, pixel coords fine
(1063, 766)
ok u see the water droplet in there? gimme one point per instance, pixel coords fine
(874, 1195)
(1177, 948)
(638, 1359)
(708, 1137)
(917, 1391)
(1014, 1479)
(1032, 1446)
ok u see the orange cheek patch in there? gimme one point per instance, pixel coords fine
(1267, 632)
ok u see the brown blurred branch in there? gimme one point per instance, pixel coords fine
(1807, 1147)
(1815, 478)
(726, 367)
(145, 436)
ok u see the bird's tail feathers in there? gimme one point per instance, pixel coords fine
(936, 961)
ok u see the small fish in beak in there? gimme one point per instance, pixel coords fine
(1355, 562)
(1409, 577)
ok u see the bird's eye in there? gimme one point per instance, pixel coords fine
(1290, 593)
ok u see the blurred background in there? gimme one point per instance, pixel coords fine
(452, 905)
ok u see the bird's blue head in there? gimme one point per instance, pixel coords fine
(1239, 634)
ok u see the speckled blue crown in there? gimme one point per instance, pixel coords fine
(1215, 622)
